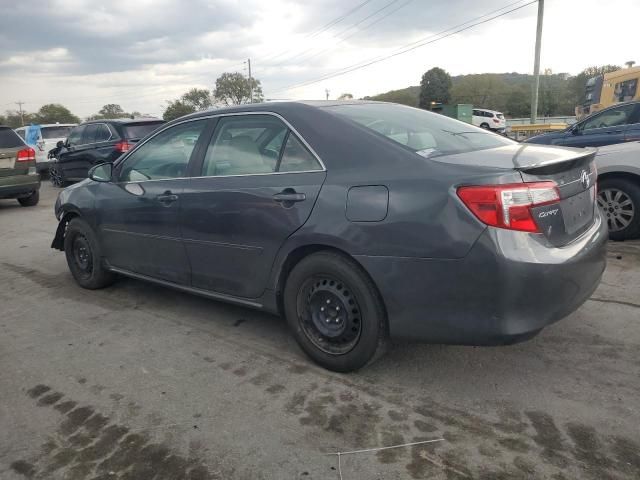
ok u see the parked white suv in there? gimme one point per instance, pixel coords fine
(489, 119)
(46, 139)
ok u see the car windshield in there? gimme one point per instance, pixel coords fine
(134, 131)
(9, 139)
(49, 133)
(426, 133)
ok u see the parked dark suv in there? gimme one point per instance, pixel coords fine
(616, 124)
(95, 142)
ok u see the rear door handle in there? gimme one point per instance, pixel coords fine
(289, 196)
(167, 198)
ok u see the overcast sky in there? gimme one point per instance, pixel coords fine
(141, 53)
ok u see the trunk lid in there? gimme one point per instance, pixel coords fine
(573, 171)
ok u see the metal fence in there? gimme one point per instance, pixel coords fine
(526, 121)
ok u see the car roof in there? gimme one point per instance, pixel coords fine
(124, 121)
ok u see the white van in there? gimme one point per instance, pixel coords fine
(489, 119)
(50, 134)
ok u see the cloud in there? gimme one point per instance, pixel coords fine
(141, 53)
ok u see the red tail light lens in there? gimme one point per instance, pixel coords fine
(123, 146)
(509, 206)
(496, 120)
(26, 155)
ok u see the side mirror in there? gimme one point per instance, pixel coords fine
(60, 144)
(575, 129)
(101, 173)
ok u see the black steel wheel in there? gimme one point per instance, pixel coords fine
(84, 257)
(335, 311)
(329, 315)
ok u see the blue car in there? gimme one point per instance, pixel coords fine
(616, 124)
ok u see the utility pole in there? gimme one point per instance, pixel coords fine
(326, 93)
(536, 64)
(20, 103)
(250, 81)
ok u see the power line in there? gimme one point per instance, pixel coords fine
(405, 49)
(322, 29)
(301, 54)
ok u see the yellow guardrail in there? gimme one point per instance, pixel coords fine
(538, 127)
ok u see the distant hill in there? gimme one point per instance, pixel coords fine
(506, 92)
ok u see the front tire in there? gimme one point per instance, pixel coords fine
(30, 201)
(335, 312)
(619, 201)
(56, 177)
(84, 256)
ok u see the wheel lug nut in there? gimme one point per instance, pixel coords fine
(322, 309)
(328, 301)
(338, 309)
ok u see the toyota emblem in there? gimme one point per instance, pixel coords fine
(584, 179)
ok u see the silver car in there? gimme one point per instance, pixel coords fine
(619, 188)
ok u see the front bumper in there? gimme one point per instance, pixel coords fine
(18, 185)
(509, 286)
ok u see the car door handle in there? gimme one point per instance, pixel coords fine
(289, 196)
(167, 198)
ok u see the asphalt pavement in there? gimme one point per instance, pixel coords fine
(142, 382)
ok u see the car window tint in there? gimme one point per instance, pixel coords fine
(239, 147)
(89, 135)
(49, 133)
(103, 133)
(296, 157)
(76, 135)
(133, 131)
(426, 133)
(164, 156)
(9, 139)
(611, 118)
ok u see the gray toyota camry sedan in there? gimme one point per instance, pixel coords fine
(357, 221)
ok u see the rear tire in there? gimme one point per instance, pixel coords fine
(619, 202)
(84, 256)
(484, 125)
(30, 201)
(335, 312)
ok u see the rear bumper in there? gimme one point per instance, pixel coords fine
(18, 185)
(509, 286)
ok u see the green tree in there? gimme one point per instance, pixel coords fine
(235, 89)
(54, 112)
(112, 110)
(484, 90)
(13, 119)
(194, 100)
(434, 87)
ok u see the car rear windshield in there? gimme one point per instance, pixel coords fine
(9, 138)
(138, 130)
(49, 133)
(426, 133)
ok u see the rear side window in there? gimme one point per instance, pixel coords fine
(245, 145)
(296, 157)
(9, 139)
(426, 133)
(103, 133)
(49, 133)
(135, 131)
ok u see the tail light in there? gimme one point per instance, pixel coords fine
(123, 146)
(496, 120)
(26, 155)
(509, 206)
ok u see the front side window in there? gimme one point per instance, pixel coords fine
(610, 118)
(426, 133)
(245, 145)
(164, 156)
(76, 136)
(625, 91)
